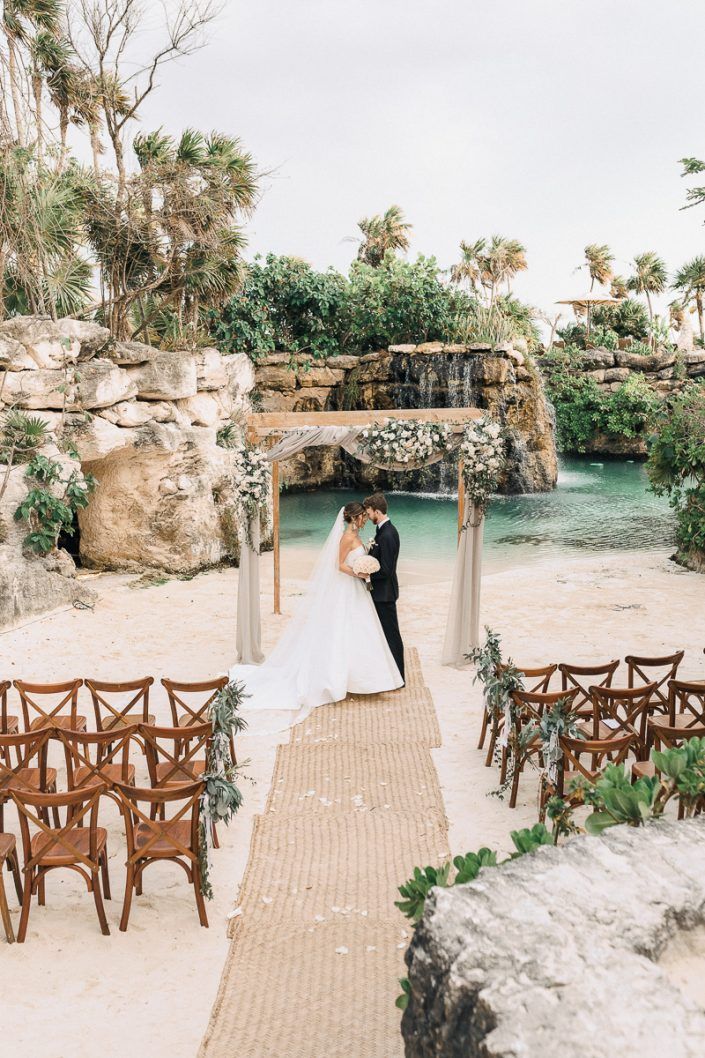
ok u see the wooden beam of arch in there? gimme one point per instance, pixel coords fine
(268, 424)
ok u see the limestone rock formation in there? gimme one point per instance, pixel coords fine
(556, 954)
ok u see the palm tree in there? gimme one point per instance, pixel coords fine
(382, 232)
(501, 262)
(598, 261)
(690, 281)
(650, 277)
(19, 19)
(619, 287)
(468, 268)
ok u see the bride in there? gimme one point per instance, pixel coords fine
(334, 644)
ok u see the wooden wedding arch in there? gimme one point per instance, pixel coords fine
(269, 427)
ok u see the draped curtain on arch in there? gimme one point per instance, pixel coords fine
(463, 626)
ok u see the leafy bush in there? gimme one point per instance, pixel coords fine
(50, 505)
(575, 334)
(628, 319)
(676, 465)
(631, 408)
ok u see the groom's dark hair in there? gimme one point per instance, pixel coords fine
(377, 502)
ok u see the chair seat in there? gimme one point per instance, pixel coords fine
(7, 846)
(571, 776)
(162, 846)
(85, 776)
(107, 723)
(170, 775)
(685, 722)
(66, 723)
(643, 769)
(604, 730)
(12, 726)
(186, 720)
(59, 855)
(30, 779)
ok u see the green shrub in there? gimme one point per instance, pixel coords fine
(628, 319)
(676, 465)
(631, 408)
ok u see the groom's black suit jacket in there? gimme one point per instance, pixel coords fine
(385, 586)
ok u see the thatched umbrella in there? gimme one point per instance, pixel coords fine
(586, 301)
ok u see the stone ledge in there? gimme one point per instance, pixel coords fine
(554, 955)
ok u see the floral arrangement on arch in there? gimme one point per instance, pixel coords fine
(252, 477)
(483, 451)
(405, 441)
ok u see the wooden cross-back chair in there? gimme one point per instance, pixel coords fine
(622, 710)
(685, 718)
(536, 679)
(8, 724)
(657, 670)
(73, 846)
(99, 758)
(171, 760)
(172, 837)
(120, 704)
(189, 703)
(530, 707)
(40, 708)
(602, 751)
(8, 855)
(583, 677)
(30, 772)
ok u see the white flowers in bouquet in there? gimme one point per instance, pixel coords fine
(405, 441)
(251, 481)
(364, 566)
(483, 452)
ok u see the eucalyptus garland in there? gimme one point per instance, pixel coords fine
(221, 797)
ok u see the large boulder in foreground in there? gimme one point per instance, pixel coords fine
(556, 954)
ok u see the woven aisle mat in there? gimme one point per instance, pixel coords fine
(315, 954)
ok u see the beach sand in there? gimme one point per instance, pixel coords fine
(68, 991)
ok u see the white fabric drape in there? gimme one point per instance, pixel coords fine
(463, 627)
(247, 637)
(462, 631)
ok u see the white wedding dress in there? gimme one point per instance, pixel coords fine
(333, 646)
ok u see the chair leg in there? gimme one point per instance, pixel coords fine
(200, 903)
(26, 904)
(5, 913)
(105, 875)
(515, 784)
(216, 843)
(483, 729)
(493, 741)
(127, 902)
(41, 889)
(16, 874)
(95, 885)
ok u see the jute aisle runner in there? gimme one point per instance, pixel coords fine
(315, 957)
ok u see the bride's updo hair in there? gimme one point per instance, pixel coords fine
(351, 511)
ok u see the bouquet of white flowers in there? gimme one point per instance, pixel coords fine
(365, 565)
(404, 442)
(251, 479)
(483, 452)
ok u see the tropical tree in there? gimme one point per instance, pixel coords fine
(468, 269)
(382, 233)
(489, 264)
(598, 261)
(619, 287)
(690, 281)
(30, 27)
(649, 277)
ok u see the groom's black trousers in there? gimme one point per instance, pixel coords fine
(387, 613)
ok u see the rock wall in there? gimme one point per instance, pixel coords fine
(665, 371)
(556, 954)
(432, 375)
(144, 423)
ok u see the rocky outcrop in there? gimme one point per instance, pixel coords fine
(144, 423)
(500, 379)
(556, 954)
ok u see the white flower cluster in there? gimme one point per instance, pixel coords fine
(405, 442)
(251, 480)
(483, 452)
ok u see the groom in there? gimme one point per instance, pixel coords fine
(385, 586)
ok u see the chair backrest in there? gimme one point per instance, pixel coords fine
(186, 796)
(584, 676)
(624, 709)
(167, 746)
(59, 839)
(191, 700)
(27, 746)
(4, 688)
(47, 700)
(94, 750)
(660, 671)
(602, 751)
(536, 679)
(687, 699)
(120, 703)
(531, 705)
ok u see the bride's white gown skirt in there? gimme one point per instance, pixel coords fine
(333, 646)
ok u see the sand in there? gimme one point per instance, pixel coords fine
(68, 991)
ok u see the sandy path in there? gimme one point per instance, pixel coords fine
(153, 987)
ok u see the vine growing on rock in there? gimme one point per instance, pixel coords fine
(51, 503)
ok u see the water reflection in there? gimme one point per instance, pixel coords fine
(596, 507)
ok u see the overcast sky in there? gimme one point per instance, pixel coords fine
(558, 122)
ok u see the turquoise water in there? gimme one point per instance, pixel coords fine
(596, 507)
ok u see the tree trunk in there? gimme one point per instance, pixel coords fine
(699, 307)
(651, 319)
(63, 132)
(37, 85)
(95, 148)
(15, 89)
